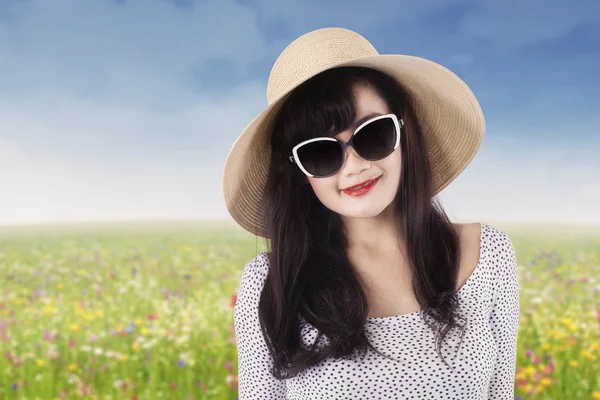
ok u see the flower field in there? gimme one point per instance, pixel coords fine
(145, 311)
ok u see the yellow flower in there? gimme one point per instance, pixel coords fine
(80, 272)
(545, 346)
(573, 363)
(596, 396)
(138, 321)
(530, 370)
(124, 357)
(135, 346)
(89, 317)
(545, 382)
(145, 331)
(41, 363)
(521, 376)
(59, 286)
(73, 327)
(571, 340)
(541, 366)
(99, 314)
(588, 355)
(566, 321)
(595, 346)
(79, 310)
(48, 309)
(72, 367)
(539, 389)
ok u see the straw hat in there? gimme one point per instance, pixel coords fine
(449, 114)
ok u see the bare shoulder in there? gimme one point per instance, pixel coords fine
(470, 246)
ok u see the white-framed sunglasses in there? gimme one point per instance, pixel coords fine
(373, 140)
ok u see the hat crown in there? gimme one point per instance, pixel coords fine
(312, 53)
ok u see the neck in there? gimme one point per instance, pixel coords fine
(376, 234)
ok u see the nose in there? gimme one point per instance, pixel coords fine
(353, 163)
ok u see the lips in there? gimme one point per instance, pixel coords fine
(362, 183)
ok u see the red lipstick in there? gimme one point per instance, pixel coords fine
(361, 188)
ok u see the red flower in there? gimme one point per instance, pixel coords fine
(233, 299)
(151, 317)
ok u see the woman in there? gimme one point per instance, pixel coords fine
(339, 172)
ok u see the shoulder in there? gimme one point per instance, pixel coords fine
(252, 280)
(257, 268)
(477, 236)
(498, 244)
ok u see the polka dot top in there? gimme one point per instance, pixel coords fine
(481, 357)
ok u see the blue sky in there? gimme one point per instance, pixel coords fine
(127, 109)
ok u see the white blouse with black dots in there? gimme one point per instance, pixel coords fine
(482, 364)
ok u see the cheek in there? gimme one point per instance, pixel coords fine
(324, 188)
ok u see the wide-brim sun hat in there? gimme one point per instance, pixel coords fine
(448, 112)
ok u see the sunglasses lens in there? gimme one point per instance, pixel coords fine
(321, 158)
(376, 140)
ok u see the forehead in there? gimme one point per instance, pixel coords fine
(368, 105)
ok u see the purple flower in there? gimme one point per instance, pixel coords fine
(14, 386)
(180, 363)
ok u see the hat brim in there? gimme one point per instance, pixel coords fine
(447, 110)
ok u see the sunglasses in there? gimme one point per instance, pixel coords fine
(373, 140)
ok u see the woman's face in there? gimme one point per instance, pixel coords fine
(357, 170)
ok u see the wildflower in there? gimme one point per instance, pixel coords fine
(48, 309)
(545, 346)
(173, 386)
(135, 346)
(47, 336)
(573, 363)
(232, 381)
(93, 338)
(72, 367)
(181, 363)
(73, 327)
(14, 386)
(228, 365)
(233, 300)
(40, 363)
(145, 331)
(588, 355)
(151, 317)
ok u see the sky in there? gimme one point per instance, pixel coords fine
(121, 110)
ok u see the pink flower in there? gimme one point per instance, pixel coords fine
(47, 336)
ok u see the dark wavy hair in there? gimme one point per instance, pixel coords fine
(309, 272)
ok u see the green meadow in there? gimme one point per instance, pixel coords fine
(145, 310)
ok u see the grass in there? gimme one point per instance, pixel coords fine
(145, 311)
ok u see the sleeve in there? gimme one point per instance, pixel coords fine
(254, 362)
(504, 322)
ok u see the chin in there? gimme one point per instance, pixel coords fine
(370, 212)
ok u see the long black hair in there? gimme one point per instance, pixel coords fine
(310, 274)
